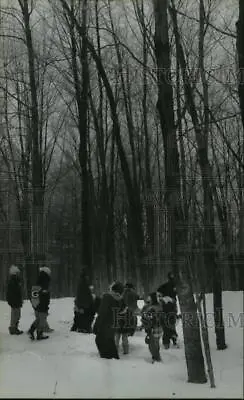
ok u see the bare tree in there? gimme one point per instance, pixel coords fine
(192, 339)
(240, 52)
(210, 250)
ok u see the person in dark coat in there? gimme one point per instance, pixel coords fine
(167, 298)
(83, 305)
(40, 300)
(93, 309)
(14, 299)
(107, 321)
(128, 319)
(152, 321)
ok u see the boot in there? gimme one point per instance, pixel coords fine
(31, 333)
(157, 358)
(14, 331)
(18, 332)
(166, 346)
(40, 336)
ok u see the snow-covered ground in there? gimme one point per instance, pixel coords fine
(68, 365)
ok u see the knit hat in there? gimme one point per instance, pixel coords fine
(14, 270)
(117, 287)
(46, 270)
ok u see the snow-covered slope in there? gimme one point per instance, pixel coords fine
(68, 365)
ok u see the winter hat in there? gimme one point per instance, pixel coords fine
(46, 270)
(14, 270)
(117, 287)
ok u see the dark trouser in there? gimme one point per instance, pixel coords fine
(154, 347)
(169, 329)
(15, 317)
(106, 346)
(40, 323)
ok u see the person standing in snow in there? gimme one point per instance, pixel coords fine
(93, 309)
(167, 298)
(152, 321)
(83, 305)
(107, 321)
(14, 299)
(40, 300)
(127, 320)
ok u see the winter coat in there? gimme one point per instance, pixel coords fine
(130, 298)
(40, 293)
(83, 299)
(107, 318)
(169, 293)
(14, 292)
(168, 289)
(96, 304)
(127, 321)
(153, 320)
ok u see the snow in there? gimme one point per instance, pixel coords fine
(68, 365)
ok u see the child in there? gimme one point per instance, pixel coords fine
(40, 300)
(14, 299)
(152, 322)
(127, 321)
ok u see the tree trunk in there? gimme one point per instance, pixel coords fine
(210, 252)
(38, 251)
(192, 338)
(204, 322)
(81, 85)
(240, 52)
(134, 200)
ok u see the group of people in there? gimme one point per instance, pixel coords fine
(40, 300)
(112, 318)
(100, 316)
(117, 318)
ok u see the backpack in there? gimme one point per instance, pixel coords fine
(35, 299)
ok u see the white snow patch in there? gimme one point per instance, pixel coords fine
(68, 365)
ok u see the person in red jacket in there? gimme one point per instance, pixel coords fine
(40, 300)
(14, 299)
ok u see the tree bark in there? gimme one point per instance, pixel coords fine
(38, 250)
(191, 330)
(240, 52)
(210, 252)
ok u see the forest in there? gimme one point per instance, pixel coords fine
(121, 142)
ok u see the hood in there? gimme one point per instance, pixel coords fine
(14, 270)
